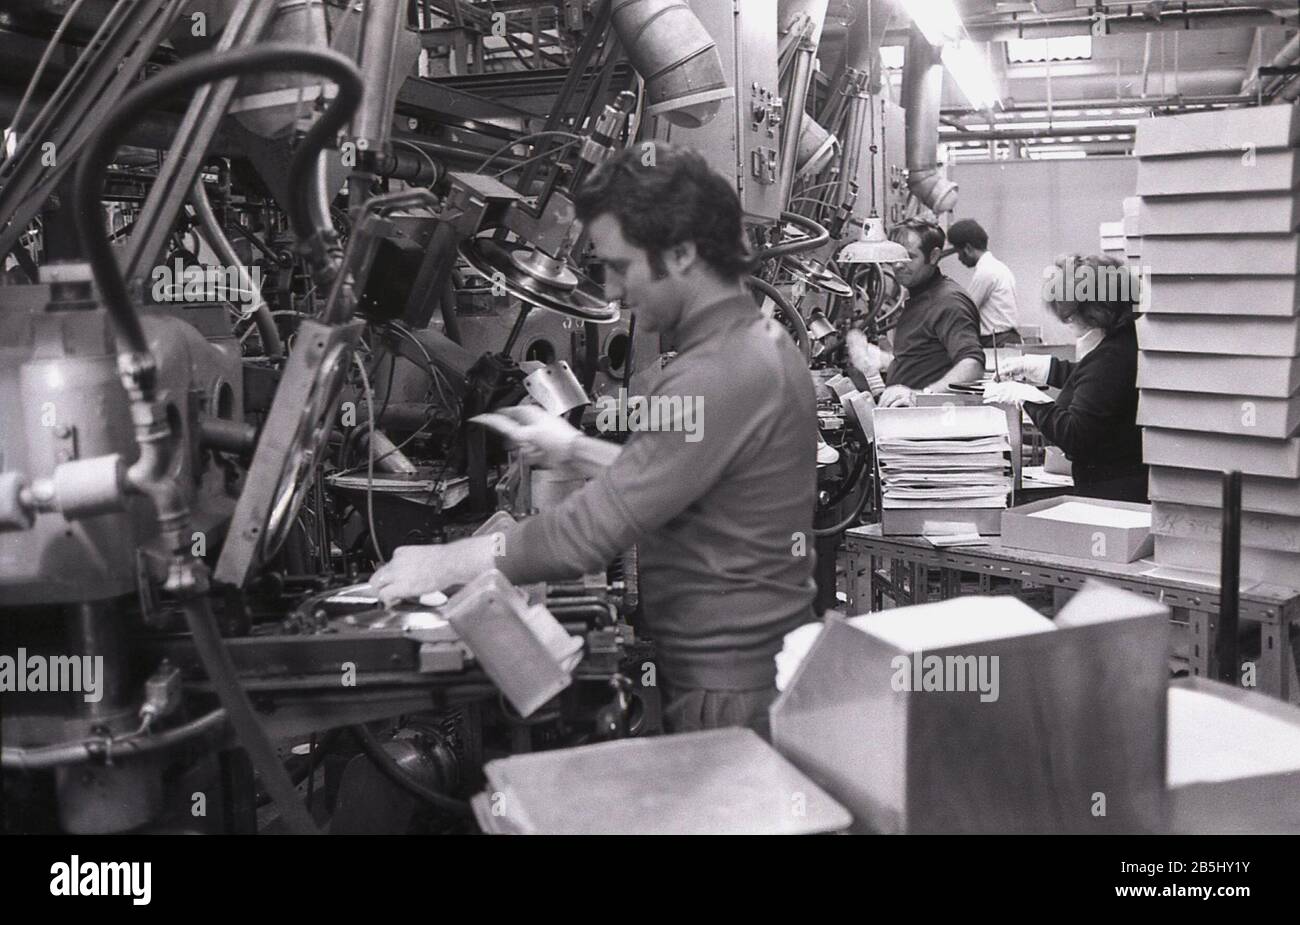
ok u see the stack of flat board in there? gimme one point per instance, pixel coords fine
(1219, 371)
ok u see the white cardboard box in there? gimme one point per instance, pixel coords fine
(1272, 171)
(906, 757)
(1233, 335)
(1222, 254)
(1224, 130)
(1221, 452)
(1196, 486)
(1267, 377)
(1077, 532)
(1274, 532)
(1266, 565)
(1263, 213)
(1228, 414)
(1199, 294)
(1234, 761)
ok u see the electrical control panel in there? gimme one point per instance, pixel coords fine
(744, 139)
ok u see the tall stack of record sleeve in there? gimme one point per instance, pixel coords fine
(1219, 372)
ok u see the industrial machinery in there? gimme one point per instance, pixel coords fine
(262, 262)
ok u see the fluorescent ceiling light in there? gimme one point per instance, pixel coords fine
(938, 20)
(970, 70)
(1059, 48)
(1057, 154)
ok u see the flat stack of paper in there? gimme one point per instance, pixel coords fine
(943, 459)
(1219, 370)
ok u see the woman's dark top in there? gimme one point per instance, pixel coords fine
(1094, 419)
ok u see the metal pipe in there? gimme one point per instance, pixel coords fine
(1135, 102)
(380, 30)
(190, 145)
(671, 49)
(795, 112)
(52, 756)
(1229, 579)
(1217, 16)
(854, 140)
(272, 346)
(1289, 53)
(227, 436)
(922, 98)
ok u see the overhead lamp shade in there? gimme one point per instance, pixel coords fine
(873, 247)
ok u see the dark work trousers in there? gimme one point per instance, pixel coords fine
(1117, 484)
(692, 709)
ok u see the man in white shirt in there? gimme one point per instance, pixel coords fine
(992, 287)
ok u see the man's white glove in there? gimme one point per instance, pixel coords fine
(1006, 393)
(1033, 368)
(542, 439)
(865, 356)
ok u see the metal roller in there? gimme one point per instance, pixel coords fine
(581, 298)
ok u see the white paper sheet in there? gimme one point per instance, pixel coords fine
(1095, 515)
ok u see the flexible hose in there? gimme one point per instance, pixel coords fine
(848, 521)
(70, 753)
(221, 672)
(185, 76)
(818, 235)
(389, 767)
(850, 483)
(272, 346)
(803, 341)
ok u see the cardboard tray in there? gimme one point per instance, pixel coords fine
(1076, 540)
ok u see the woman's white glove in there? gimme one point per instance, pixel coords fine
(1033, 368)
(1006, 393)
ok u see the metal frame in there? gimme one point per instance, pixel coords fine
(1275, 609)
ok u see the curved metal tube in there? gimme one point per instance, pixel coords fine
(212, 230)
(922, 96)
(818, 235)
(53, 756)
(803, 341)
(195, 72)
(674, 53)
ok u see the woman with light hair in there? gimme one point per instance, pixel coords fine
(1094, 419)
